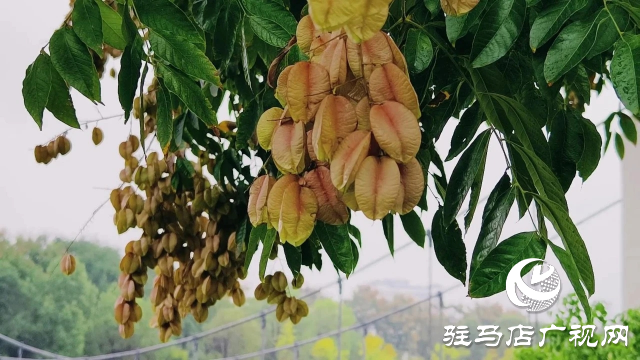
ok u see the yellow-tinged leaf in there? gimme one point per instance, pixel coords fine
(267, 125)
(297, 214)
(390, 83)
(411, 186)
(458, 7)
(363, 109)
(348, 157)
(331, 209)
(274, 199)
(281, 87)
(307, 84)
(377, 186)
(368, 19)
(396, 130)
(288, 147)
(258, 195)
(335, 119)
(330, 15)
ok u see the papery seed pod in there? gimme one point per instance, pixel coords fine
(68, 264)
(266, 126)
(398, 57)
(52, 150)
(305, 33)
(231, 242)
(200, 313)
(295, 319)
(329, 15)
(348, 157)
(411, 186)
(298, 211)
(281, 89)
(363, 110)
(130, 263)
(64, 146)
(302, 309)
(126, 330)
(389, 83)
(281, 315)
(396, 130)
(334, 59)
(297, 281)
(276, 297)
(122, 311)
(290, 305)
(349, 198)
(259, 293)
(135, 142)
(331, 209)
(223, 259)
(258, 195)
(96, 135)
(367, 20)
(279, 281)
(165, 334)
(238, 297)
(458, 7)
(288, 147)
(266, 284)
(377, 186)
(335, 119)
(274, 200)
(136, 313)
(307, 85)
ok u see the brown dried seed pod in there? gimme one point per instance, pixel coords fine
(65, 146)
(238, 297)
(297, 281)
(302, 309)
(126, 330)
(97, 136)
(295, 319)
(281, 315)
(68, 264)
(260, 294)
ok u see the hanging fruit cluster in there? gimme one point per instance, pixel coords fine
(45, 153)
(189, 239)
(273, 289)
(347, 136)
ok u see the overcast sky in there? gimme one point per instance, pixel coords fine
(57, 199)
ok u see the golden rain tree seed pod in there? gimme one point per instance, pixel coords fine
(281, 87)
(68, 264)
(267, 124)
(290, 305)
(331, 15)
(126, 330)
(334, 59)
(458, 7)
(303, 309)
(276, 297)
(411, 186)
(260, 294)
(305, 33)
(281, 315)
(97, 136)
(396, 130)
(298, 213)
(279, 281)
(130, 263)
(238, 297)
(274, 200)
(122, 311)
(274, 252)
(288, 147)
(307, 85)
(136, 313)
(135, 143)
(367, 20)
(363, 109)
(335, 119)
(297, 281)
(266, 284)
(398, 57)
(258, 195)
(331, 209)
(377, 186)
(348, 157)
(52, 150)
(389, 83)
(295, 319)
(349, 198)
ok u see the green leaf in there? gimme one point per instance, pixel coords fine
(206, 13)
(387, 229)
(245, 58)
(498, 30)
(628, 128)
(189, 92)
(634, 11)
(229, 20)
(566, 143)
(573, 274)
(335, 241)
(414, 228)
(571, 46)
(469, 124)
(476, 187)
(545, 182)
(607, 32)
(164, 126)
(59, 102)
(36, 87)
(433, 6)
(72, 60)
(257, 233)
(464, 175)
(247, 122)
(491, 276)
(166, 17)
(129, 74)
(143, 77)
(494, 216)
(458, 26)
(354, 233)
(87, 23)
(111, 26)
(524, 124)
(418, 50)
(550, 20)
(619, 146)
(449, 247)
(591, 153)
(573, 243)
(271, 21)
(487, 81)
(128, 29)
(267, 245)
(184, 56)
(294, 258)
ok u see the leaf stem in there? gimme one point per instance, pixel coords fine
(606, 7)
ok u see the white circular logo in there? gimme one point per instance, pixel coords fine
(541, 293)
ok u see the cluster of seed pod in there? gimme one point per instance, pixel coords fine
(45, 153)
(274, 290)
(189, 239)
(147, 108)
(347, 136)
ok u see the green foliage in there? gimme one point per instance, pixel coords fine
(519, 71)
